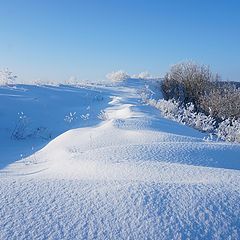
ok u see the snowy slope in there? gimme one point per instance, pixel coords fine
(128, 174)
(47, 110)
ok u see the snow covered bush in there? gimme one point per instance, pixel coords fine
(174, 110)
(117, 76)
(168, 108)
(190, 82)
(194, 96)
(196, 119)
(229, 130)
(7, 77)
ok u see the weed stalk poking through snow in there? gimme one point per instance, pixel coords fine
(70, 117)
(103, 116)
(20, 129)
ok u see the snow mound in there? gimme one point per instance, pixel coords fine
(128, 175)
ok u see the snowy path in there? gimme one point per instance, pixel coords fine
(133, 176)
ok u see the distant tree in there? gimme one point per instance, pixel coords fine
(7, 77)
(142, 75)
(117, 76)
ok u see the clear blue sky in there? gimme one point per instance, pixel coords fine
(55, 39)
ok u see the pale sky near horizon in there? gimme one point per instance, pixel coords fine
(53, 40)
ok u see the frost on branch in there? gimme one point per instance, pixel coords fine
(173, 110)
(71, 117)
(103, 116)
(228, 130)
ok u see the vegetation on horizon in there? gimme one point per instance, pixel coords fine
(196, 97)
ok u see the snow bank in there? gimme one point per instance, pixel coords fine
(135, 175)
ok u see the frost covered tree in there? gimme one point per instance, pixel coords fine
(117, 76)
(7, 77)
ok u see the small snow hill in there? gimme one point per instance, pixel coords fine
(94, 162)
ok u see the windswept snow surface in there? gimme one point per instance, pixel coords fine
(128, 175)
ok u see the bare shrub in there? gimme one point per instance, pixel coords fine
(188, 82)
(192, 83)
(222, 102)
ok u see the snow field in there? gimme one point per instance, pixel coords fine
(132, 175)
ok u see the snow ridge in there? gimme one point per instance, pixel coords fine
(129, 175)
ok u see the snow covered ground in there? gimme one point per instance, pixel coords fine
(95, 163)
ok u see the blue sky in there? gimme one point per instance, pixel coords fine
(53, 40)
